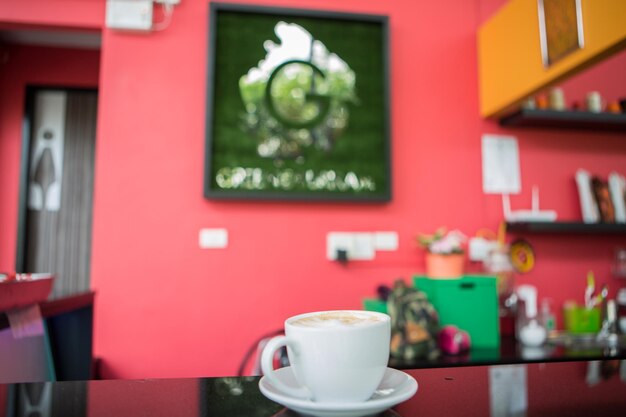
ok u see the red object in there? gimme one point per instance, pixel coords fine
(507, 326)
(22, 290)
(453, 340)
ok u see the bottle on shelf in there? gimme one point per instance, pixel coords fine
(530, 330)
(547, 315)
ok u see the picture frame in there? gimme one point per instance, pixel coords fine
(560, 29)
(297, 105)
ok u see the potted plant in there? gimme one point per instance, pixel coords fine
(445, 253)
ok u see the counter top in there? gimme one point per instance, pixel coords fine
(558, 388)
(512, 352)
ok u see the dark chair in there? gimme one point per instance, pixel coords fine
(253, 356)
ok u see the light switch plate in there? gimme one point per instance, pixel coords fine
(387, 241)
(363, 248)
(213, 238)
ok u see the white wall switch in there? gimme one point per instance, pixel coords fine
(386, 241)
(363, 247)
(213, 238)
(129, 14)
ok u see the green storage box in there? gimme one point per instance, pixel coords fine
(470, 303)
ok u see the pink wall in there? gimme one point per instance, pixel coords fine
(83, 14)
(167, 308)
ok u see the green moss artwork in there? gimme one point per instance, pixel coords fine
(297, 105)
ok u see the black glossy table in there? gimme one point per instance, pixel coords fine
(537, 389)
(512, 352)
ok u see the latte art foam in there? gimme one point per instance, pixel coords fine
(336, 319)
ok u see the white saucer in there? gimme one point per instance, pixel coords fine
(396, 387)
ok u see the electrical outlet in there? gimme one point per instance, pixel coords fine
(358, 245)
(338, 241)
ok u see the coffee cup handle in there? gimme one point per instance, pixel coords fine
(267, 365)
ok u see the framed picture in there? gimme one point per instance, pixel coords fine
(297, 105)
(560, 29)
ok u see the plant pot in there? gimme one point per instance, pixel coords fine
(444, 266)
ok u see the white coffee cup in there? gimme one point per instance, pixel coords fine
(336, 356)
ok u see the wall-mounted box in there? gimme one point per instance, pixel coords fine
(129, 14)
(470, 303)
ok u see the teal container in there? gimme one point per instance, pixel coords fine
(469, 302)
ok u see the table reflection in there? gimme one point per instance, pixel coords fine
(567, 388)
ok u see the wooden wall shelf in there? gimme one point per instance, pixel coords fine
(566, 227)
(610, 122)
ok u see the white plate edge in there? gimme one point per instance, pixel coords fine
(384, 402)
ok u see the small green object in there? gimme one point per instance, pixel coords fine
(469, 302)
(579, 319)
